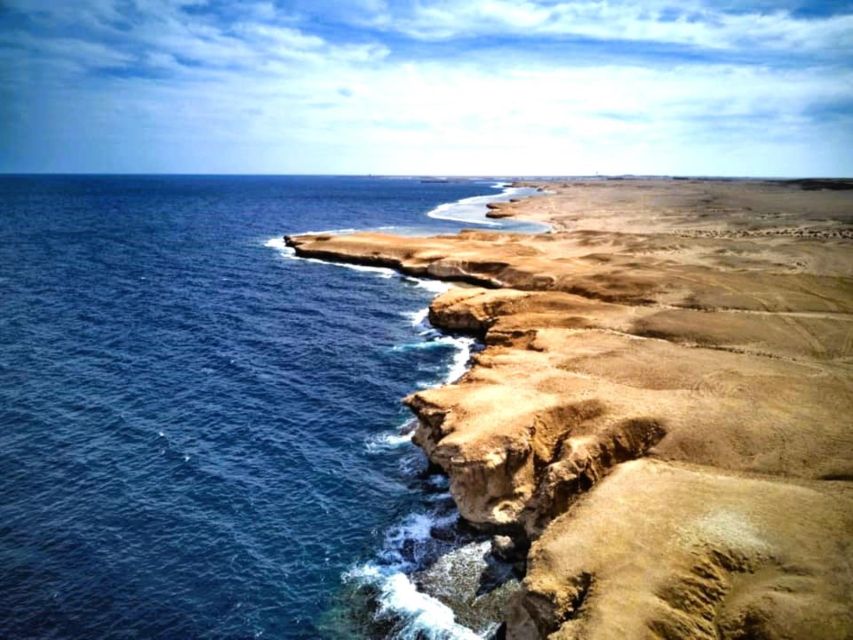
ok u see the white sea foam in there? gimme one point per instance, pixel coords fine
(473, 210)
(438, 497)
(434, 286)
(382, 272)
(417, 318)
(413, 464)
(425, 616)
(278, 244)
(441, 341)
(468, 210)
(416, 527)
(438, 481)
(288, 252)
(459, 364)
(421, 616)
(461, 344)
(388, 441)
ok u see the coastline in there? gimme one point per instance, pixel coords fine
(480, 210)
(404, 587)
(634, 388)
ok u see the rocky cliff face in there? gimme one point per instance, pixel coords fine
(545, 412)
(664, 550)
(664, 413)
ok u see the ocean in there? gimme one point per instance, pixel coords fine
(201, 435)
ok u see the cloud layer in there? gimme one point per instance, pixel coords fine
(429, 86)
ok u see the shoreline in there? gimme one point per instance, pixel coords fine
(632, 385)
(395, 592)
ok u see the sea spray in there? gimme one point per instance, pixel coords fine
(417, 318)
(459, 364)
(395, 439)
(433, 578)
(405, 612)
(435, 286)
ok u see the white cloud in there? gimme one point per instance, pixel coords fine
(284, 37)
(685, 23)
(262, 93)
(84, 53)
(428, 118)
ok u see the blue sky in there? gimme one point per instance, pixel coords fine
(427, 87)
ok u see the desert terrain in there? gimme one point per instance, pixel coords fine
(662, 417)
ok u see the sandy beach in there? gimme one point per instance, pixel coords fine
(660, 418)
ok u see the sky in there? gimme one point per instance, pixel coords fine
(441, 87)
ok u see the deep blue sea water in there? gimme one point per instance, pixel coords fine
(199, 433)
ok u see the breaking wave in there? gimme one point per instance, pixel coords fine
(412, 614)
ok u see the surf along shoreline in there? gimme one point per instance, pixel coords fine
(648, 443)
(432, 577)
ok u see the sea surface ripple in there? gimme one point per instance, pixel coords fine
(199, 435)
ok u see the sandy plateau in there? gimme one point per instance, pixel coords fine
(664, 408)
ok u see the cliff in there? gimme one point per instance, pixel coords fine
(662, 407)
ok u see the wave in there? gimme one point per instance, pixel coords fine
(459, 365)
(425, 616)
(438, 481)
(402, 435)
(463, 346)
(382, 272)
(438, 341)
(414, 615)
(387, 441)
(278, 244)
(435, 286)
(417, 318)
(288, 252)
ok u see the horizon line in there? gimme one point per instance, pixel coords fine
(440, 176)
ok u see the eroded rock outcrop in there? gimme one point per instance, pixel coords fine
(634, 269)
(535, 423)
(669, 551)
